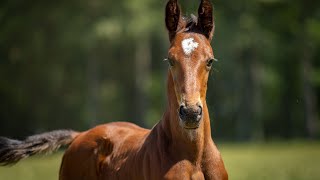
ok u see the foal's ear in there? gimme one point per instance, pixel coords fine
(172, 17)
(205, 18)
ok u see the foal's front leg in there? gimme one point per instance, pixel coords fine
(212, 165)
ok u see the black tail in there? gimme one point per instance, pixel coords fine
(12, 151)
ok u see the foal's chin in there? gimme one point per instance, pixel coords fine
(190, 129)
(189, 125)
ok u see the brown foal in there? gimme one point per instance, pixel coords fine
(178, 147)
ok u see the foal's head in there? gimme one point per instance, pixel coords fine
(190, 57)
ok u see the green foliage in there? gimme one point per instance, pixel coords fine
(75, 64)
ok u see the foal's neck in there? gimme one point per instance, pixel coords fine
(189, 143)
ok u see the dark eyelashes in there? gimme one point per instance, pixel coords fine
(170, 61)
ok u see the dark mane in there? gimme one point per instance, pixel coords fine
(188, 24)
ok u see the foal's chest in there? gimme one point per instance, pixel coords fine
(184, 170)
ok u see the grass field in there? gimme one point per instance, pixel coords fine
(274, 161)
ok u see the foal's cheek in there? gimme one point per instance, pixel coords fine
(176, 85)
(204, 83)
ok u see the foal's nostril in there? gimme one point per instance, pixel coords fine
(182, 111)
(190, 113)
(199, 113)
(199, 110)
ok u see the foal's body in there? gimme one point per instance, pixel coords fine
(178, 147)
(126, 151)
(101, 153)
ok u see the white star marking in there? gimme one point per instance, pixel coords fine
(189, 45)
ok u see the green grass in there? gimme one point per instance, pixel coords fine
(35, 168)
(274, 161)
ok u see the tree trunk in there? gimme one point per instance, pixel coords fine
(93, 88)
(310, 100)
(248, 106)
(142, 79)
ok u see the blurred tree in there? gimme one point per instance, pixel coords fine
(75, 64)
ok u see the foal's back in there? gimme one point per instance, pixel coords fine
(104, 151)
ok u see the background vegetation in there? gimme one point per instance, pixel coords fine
(75, 64)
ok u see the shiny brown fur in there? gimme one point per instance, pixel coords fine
(172, 149)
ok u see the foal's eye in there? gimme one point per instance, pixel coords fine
(171, 62)
(209, 63)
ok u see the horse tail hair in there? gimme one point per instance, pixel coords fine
(12, 151)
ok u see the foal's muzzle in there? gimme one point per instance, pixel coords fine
(190, 116)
